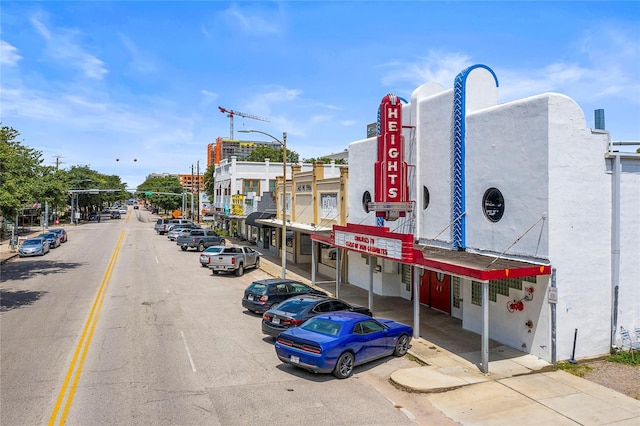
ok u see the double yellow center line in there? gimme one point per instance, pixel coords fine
(66, 392)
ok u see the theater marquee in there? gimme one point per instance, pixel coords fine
(374, 241)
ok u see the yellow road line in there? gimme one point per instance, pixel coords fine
(83, 345)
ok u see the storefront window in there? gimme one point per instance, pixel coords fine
(328, 255)
(305, 244)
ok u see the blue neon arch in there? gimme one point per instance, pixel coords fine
(459, 227)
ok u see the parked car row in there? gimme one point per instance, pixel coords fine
(312, 330)
(43, 243)
(320, 333)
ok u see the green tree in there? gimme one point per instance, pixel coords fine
(261, 153)
(169, 184)
(209, 183)
(325, 160)
(24, 180)
(84, 178)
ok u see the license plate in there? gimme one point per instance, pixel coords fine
(250, 297)
(276, 321)
(295, 359)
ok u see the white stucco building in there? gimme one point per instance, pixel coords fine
(509, 200)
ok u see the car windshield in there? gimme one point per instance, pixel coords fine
(47, 235)
(295, 306)
(322, 326)
(32, 243)
(257, 288)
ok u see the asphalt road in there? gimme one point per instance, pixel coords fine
(119, 326)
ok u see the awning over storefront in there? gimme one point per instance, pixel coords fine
(251, 219)
(476, 266)
(381, 242)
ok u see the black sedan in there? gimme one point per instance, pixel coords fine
(263, 295)
(296, 310)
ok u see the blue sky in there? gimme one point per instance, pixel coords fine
(94, 81)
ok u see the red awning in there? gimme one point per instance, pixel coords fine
(479, 267)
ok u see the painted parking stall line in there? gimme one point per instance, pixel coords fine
(65, 397)
(186, 346)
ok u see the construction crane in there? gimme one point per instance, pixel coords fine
(231, 114)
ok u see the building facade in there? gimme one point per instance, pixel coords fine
(523, 222)
(225, 148)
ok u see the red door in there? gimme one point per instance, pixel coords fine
(435, 291)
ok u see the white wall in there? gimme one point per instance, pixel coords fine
(629, 291)
(580, 230)
(510, 327)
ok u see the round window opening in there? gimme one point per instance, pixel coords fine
(425, 197)
(366, 199)
(493, 204)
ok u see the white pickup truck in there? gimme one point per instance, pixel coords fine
(234, 259)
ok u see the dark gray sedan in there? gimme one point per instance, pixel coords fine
(296, 310)
(52, 238)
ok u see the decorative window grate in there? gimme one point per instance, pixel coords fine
(406, 276)
(457, 295)
(497, 287)
(476, 293)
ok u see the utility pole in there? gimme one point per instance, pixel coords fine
(198, 198)
(58, 162)
(192, 183)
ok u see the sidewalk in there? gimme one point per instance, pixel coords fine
(519, 389)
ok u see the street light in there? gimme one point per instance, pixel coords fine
(283, 241)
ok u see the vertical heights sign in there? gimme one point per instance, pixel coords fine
(391, 197)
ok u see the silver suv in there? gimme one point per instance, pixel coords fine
(160, 226)
(169, 223)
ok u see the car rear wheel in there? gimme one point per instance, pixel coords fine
(402, 346)
(344, 366)
(240, 270)
(214, 272)
(258, 263)
(184, 248)
(201, 247)
(273, 306)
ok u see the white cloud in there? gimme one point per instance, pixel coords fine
(320, 118)
(439, 67)
(262, 103)
(63, 48)
(251, 23)
(8, 54)
(41, 28)
(208, 96)
(139, 63)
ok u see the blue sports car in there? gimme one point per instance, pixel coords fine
(337, 342)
